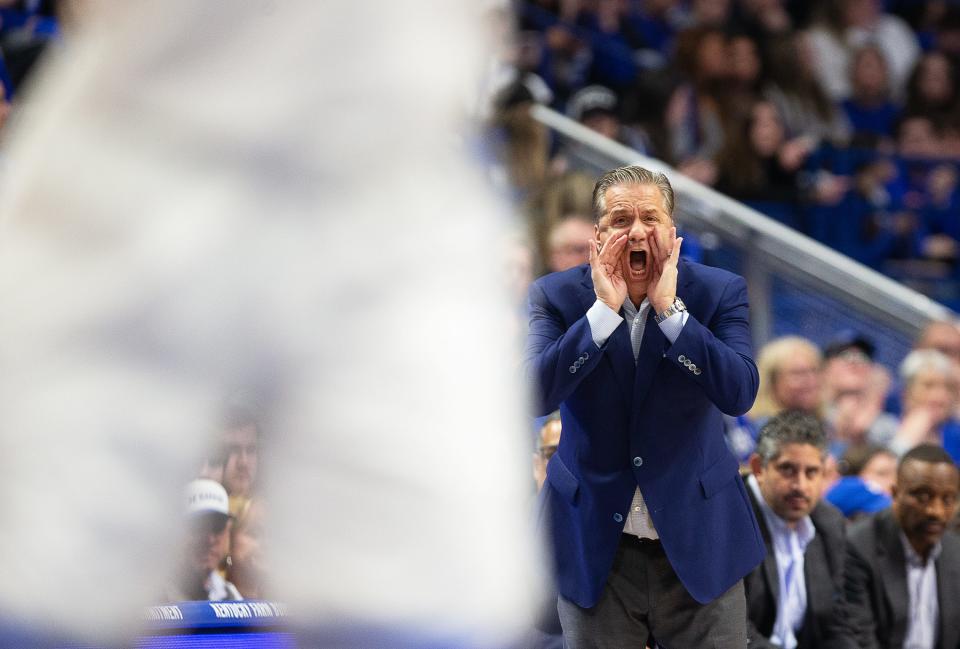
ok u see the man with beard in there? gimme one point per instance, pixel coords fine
(643, 353)
(795, 597)
(903, 566)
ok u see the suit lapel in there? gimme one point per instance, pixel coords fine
(619, 352)
(892, 563)
(819, 582)
(948, 591)
(770, 574)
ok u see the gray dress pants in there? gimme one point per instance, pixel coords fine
(644, 599)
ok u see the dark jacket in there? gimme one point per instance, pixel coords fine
(876, 585)
(825, 622)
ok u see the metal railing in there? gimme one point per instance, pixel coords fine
(796, 284)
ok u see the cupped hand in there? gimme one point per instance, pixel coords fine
(606, 269)
(664, 255)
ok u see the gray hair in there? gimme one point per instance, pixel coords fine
(790, 427)
(921, 359)
(630, 175)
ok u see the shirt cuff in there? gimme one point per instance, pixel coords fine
(672, 326)
(603, 320)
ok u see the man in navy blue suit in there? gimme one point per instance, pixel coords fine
(652, 531)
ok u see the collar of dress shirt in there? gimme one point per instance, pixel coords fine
(913, 559)
(630, 311)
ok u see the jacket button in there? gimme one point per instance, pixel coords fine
(638, 461)
(681, 358)
(618, 518)
(693, 367)
(586, 355)
(573, 370)
(697, 371)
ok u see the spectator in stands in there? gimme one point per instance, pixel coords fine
(947, 32)
(917, 137)
(568, 242)
(869, 473)
(565, 59)
(943, 336)
(547, 441)
(745, 75)
(614, 37)
(929, 189)
(208, 529)
(790, 371)
(246, 564)
(940, 226)
(876, 465)
(929, 401)
(522, 148)
(932, 89)
(856, 411)
(795, 597)
(842, 26)
(597, 108)
(694, 112)
(242, 446)
(902, 564)
(871, 113)
(759, 165)
(657, 20)
(848, 363)
(565, 194)
(805, 108)
(863, 225)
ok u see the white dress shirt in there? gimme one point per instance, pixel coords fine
(924, 612)
(789, 544)
(603, 320)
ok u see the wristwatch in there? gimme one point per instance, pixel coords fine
(674, 308)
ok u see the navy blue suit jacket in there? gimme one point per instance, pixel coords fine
(655, 423)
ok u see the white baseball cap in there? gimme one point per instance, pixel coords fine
(207, 497)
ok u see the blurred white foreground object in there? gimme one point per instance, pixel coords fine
(268, 193)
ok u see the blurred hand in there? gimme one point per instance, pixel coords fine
(915, 427)
(830, 189)
(793, 153)
(854, 416)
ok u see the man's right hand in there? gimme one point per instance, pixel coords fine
(606, 269)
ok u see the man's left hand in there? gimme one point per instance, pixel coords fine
(662, 288)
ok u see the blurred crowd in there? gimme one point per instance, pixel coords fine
(221, 557)
(839, 118)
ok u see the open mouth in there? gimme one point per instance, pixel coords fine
(638, 261)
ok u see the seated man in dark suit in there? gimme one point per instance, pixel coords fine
(903, 566)
(795, 597)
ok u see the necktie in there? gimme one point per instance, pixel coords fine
(636, 328)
